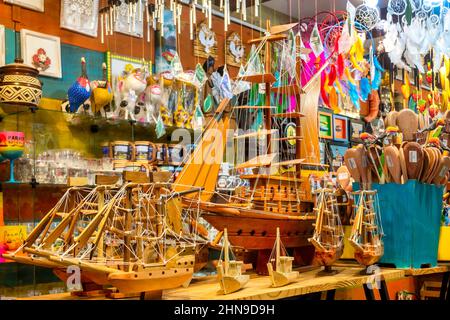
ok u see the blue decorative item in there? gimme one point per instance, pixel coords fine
(364, 88)
(80, 90)
(411, 227)
(378, 71)
(354, 96)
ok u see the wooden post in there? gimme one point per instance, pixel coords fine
(126, 238)
(100, 205)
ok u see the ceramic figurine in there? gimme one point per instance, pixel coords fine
(80, 90)
(130, 88)
(152, 101)
(101, 93)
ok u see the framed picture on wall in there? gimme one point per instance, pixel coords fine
(356, 128)
(2, 45)
(325, 125)
(36, 5)
(42, 52)
(337, 153)
(80, 16)
(340, 128)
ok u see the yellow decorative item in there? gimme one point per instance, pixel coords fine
(444, 244)
(165, 115)
(101, 92)
(406, 89)
(181, 117)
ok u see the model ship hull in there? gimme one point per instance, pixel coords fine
(153, 279)
(250, 232)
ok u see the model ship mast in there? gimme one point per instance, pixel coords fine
(229, 272)
(283, 274)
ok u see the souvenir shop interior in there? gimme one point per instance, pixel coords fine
(225, 149)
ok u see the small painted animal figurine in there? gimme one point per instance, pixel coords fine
(102, 95)
(152, 101)
(181, 117)
(130, 88)
(80, 90)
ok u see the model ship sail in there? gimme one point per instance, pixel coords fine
(283, 274)
(229, 272)
(137, 238)
(269, 121)
(328, 232)
(367, 232)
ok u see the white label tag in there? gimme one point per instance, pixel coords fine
(364, 162)
(389, 162)
(352, 163)
(343, 176)
(413, 156)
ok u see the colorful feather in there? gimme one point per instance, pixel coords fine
(341, 66)
(353, 93)
(365, 88)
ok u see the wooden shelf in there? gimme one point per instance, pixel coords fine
(291, 89)
(288, 115)
(271, 177)
(274, 37)
(288, 138)
(258, 133)
(254, 107)
(259, 78)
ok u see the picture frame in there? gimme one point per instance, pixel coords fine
(356, 128)
(340, 128)
(36, 5)
(80, 17)
(325, 125)
(337, 153)
(205, 43)
(41, 51)
(2, 46)
(123, 26)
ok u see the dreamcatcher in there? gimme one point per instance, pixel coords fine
(397, 7)
(367, 15)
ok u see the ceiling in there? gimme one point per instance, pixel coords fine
(308, 7)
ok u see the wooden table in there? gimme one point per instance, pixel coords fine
(308, 282)
(312, 281)
(441, 268)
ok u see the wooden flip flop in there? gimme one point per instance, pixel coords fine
(426, 161)
(362, 163)
(444, 166)
(427, 165)
(403, 163)
(350, 162)
(343, 176)
(436, 162)
(421, 119)
(408, 123)
(392, 158)
(375, 162)
(413, 153)
(391, 119)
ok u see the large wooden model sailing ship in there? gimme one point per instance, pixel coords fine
(133, 238)
(328, 233)
(229, 272)
(283, 274)
(276, 185)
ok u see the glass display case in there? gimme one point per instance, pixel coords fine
(58, 146)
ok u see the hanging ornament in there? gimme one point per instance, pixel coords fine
(367, 16)
(397, 7)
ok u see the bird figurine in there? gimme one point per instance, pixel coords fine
(101, 92)
(80, 90)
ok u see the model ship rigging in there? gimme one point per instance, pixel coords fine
(136, 238)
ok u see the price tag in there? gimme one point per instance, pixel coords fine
(413, 156)
(389, 162)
